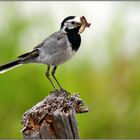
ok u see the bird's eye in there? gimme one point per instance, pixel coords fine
(73, 22)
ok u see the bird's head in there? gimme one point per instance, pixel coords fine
(75, 24)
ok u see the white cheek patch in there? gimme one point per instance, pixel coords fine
(68, 25)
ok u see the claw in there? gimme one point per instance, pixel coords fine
(63, 91)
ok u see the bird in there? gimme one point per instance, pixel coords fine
(56, 49)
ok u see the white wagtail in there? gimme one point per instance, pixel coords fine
(55, 49)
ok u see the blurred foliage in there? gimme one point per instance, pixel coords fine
(112, 92)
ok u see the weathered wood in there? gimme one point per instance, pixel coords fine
(54, 117)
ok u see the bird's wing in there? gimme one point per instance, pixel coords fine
(29, 55)
(53, 43)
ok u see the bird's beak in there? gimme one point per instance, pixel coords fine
(83, 23)
(79, 23)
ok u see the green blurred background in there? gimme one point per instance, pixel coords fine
(105, 71)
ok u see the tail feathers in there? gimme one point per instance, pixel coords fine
(25, 58)
(9, 66)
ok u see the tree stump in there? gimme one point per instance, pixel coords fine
(54, 117)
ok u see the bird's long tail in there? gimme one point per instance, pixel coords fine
(22, 59)
(9, 66)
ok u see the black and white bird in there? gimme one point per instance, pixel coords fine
(55, 49)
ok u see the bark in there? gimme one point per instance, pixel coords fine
(54, 117)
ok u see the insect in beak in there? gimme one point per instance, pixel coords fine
(83, 24)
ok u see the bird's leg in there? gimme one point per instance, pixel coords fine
(48, 76)
(53, 72)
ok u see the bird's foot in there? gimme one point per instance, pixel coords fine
(56, 92)
(63, 91)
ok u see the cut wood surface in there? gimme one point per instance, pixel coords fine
(54, 117)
